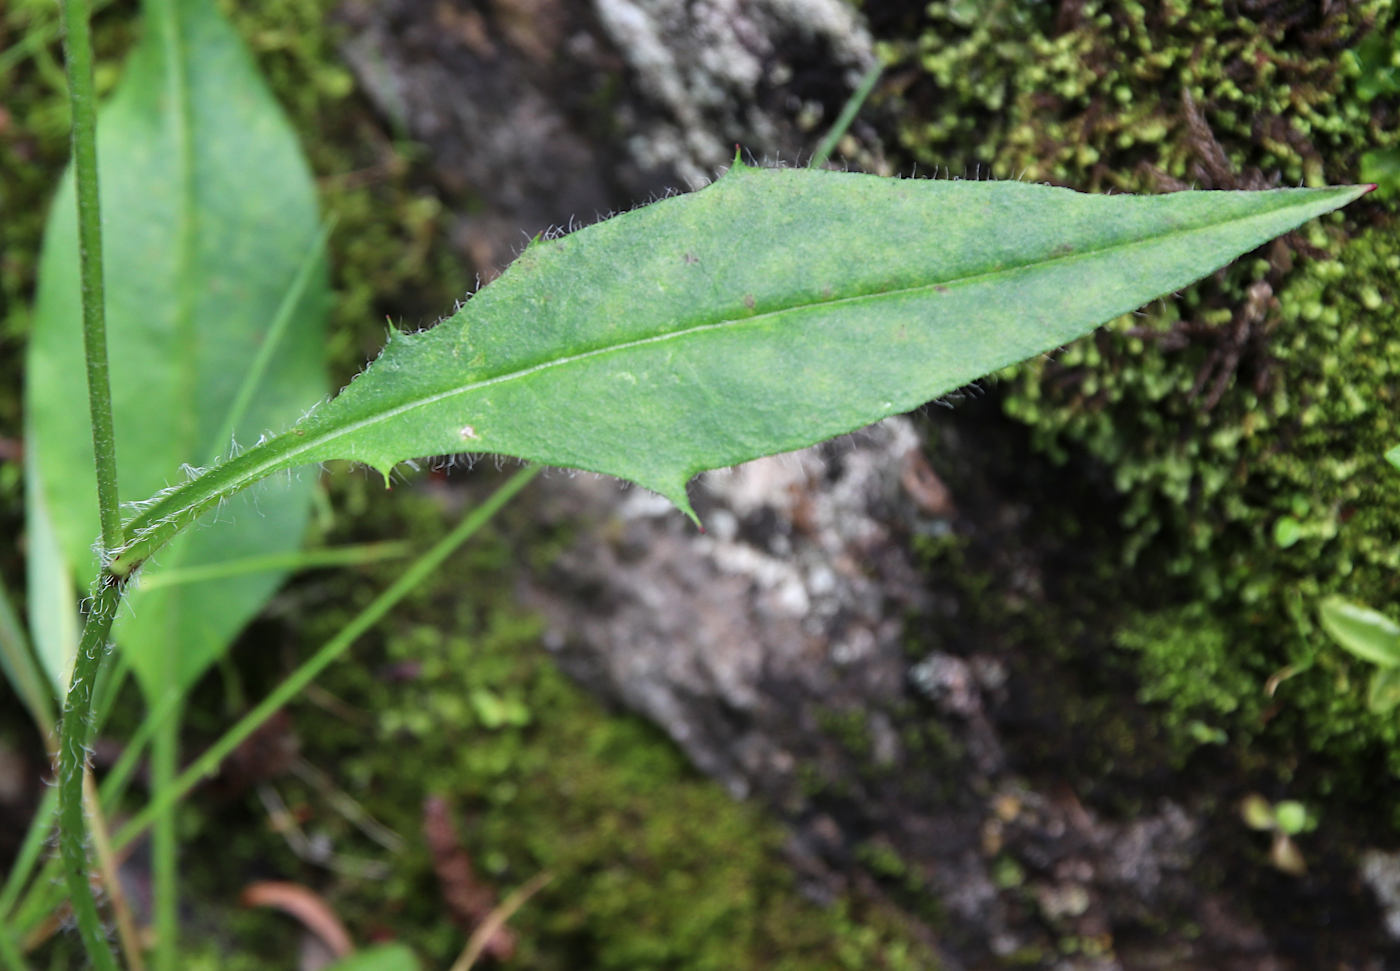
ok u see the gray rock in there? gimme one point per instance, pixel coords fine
(772, 649)
(544, 114)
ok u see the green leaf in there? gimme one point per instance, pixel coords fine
(1257, 812)
(1287, 531)
(18, 664)
(1291, 817)
(771, 310)
(1393, 456)
(209, 210)
(1384, 692)
(1369, 635)
(52, 600)
(493, 711)
(384, 957)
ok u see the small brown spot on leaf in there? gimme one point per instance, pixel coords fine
(940, 288)
(749, 300)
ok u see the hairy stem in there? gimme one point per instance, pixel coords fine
(45, 894)
(82, 97)
(74, 735)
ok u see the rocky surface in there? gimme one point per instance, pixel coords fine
(775, 650)
(542, 114)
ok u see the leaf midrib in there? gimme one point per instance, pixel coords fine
(174, 37)
(761, 317)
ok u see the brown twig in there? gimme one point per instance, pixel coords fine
(470, 901)
(306, 906)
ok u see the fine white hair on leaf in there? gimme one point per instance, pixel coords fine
(315, 407)
(127, 604)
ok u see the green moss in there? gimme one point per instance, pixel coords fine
(1092, 95)
(1243, 422)
(1209, 495)
(851, 729)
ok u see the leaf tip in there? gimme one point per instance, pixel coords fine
(675, 492)
(739, 165)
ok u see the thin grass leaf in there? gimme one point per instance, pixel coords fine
(1366, 633)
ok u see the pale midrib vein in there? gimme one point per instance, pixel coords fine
(175, 34)
(309, 443)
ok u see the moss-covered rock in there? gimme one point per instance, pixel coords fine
(1096, 94)
(1244, 420)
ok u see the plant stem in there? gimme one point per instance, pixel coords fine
(77, 711)
(34, 39)
(165, 847)
(74, 735)
(10, 957)
(45, 895)
(82, 97)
